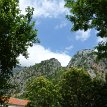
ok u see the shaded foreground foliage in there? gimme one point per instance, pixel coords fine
(17, 33)
(78, 89)
(75, 89)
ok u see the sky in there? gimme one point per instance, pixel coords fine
(54, 32)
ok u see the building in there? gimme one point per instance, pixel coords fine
(15, 102)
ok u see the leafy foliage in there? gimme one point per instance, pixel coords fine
(87, 14)
(79, 90)
(42, 93)
(17, 33)
(74, 88)
(48, 68)
(73, 84)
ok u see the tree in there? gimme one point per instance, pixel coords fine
(79, 90)
(87, 14)
(42, 93)
(17, 33)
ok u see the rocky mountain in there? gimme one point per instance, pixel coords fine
(87, 59)
(17, 68)
(47, 68)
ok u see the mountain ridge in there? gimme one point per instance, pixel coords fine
(48, 68)
(51, 68)
(87, 59)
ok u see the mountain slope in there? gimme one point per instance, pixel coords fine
(87, 59)
(47, 68)
(51, 69)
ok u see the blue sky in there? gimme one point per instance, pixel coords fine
(54, 31)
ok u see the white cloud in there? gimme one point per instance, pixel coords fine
(61, 25)
(99, 39)
(38, 53)
(44, 8)
(83, 36)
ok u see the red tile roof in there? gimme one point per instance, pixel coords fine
(15, 101)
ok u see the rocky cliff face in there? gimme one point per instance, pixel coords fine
(47, 68)
(87, 59)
